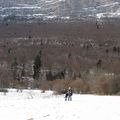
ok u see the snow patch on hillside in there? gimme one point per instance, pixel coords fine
(47, 9)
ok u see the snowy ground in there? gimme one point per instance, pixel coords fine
(34, 105)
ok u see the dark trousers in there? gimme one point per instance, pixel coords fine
(69, 98)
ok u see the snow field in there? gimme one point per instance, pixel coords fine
(34, 105)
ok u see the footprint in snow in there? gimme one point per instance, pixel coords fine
(30, 119)
(46, 115)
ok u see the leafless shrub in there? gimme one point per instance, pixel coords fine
(20, 84)
(101, 85)
(45, 85)
(60, 86)
(80, 86)
(115, 86)
(3, 90)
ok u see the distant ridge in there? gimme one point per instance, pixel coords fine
(54, 9)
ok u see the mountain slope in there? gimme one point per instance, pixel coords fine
(46, 9)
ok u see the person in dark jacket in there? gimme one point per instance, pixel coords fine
(68, 95)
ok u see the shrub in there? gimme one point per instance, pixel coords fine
(3, 90)
(60, 86)
(115, 85)
(101, 85)
(20, 84)
(45, 85)
(80, 86)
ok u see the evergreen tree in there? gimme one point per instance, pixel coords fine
(15, 68)
(99, 63)
(114, 49)
(49, 76)
(37, 65)
(69, 55)
(23, 71)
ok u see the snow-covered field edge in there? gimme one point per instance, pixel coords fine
(37, 105)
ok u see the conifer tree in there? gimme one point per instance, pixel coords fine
(23, 71)
(99, 63)
(15, 68)
(37, 65)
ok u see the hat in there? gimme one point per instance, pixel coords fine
(69, 88)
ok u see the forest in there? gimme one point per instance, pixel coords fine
(54, 55)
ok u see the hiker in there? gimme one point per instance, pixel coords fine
(68, 95)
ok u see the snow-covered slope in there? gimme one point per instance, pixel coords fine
(34, 105)
(44, 9)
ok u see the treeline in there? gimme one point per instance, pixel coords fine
(85, 58)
